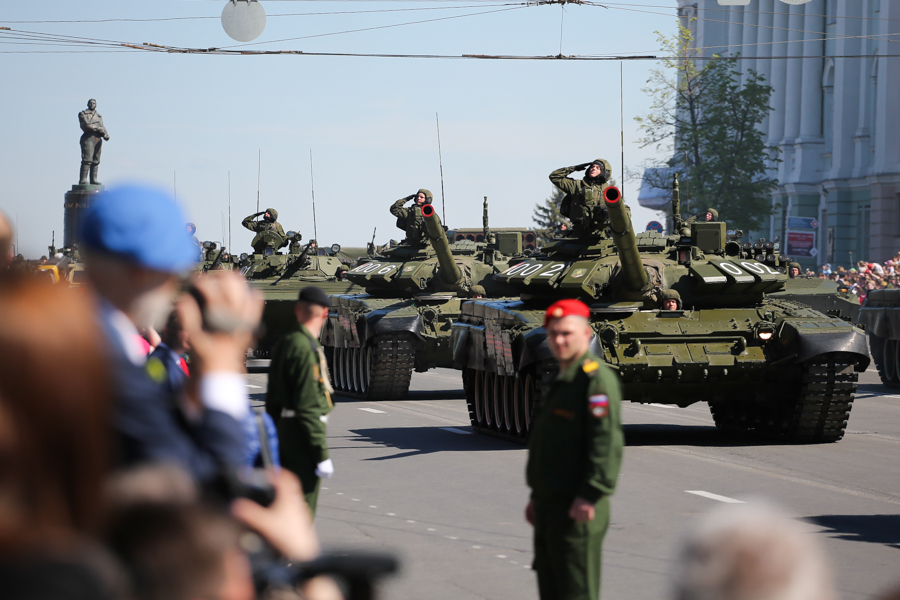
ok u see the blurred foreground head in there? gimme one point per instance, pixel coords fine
(6, 239)
(54, 415)
(751, 552)
(135, 247)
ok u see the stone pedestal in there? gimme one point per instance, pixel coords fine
(77, 201)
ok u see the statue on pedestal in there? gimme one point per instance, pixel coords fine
(91, 142)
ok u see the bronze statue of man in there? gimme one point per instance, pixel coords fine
(91, 142)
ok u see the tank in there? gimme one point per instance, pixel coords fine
(375, 340)
(283, 268)
(772, 366)
(880, 315)
(824, 295)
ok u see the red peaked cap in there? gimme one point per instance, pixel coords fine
(566, 308)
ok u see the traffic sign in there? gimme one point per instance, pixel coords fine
(655, 226)
(803, 223)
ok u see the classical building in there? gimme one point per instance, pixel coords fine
(834, 66)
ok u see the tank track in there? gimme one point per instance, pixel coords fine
(392, 360)
(876, 348)
(539, 378)
(813, 410)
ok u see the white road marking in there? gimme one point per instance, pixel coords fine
(662, 405)
(410, 521)
(355, 499)
(372, 506)
(712, 496)
(392, 514)
(372, 410)
(340, 493)
(501, 556)
(255, 387)
(431, 529)
(477, 547)
(455, 430)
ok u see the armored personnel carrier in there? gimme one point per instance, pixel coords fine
(771, 366)
(402, 322)
(880, 315)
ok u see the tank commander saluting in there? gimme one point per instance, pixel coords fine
(583, 204)
(269, 223)
(574, 454)
(410, 219)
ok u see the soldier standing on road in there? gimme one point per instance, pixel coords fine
(583, 204)
(269, 223)
(410, 219)
(91, 142)
(574, 454)
(298, 397)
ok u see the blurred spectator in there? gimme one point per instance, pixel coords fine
(55, 398)
(135, 248)
(751, 552)
(6, 243)
(167, 362)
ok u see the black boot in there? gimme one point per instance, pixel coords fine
(83, 180)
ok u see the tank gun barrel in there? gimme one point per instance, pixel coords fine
(626, 243)
(449, 272)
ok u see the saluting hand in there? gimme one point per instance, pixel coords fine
(581, 511)
(582, 167)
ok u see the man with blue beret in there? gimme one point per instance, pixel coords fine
(574, 455)
(137, 251)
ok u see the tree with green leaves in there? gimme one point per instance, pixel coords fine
(547, 216)
(710, 123)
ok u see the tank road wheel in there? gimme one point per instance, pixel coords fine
(877, 347)
(509, 403)
(489, 400)
(821, 410)
(890, 360)
(353, 364)
(520, 422)
(499, 401)
(338, 375)
(362, 367)
(478, 395)
(391, 365)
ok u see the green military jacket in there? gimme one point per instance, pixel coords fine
(575, 447)
(298, 400)
(261, 227)
(581, 199)
(411, 221)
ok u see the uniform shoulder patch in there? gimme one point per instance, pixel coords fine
(590, 367)
(599, 405)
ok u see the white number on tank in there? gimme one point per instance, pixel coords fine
(367, 268)
(754, 267)
(771, 270)
(531, 270)
(515, 269)
(733, 269)
(553, 270)
(386, 269)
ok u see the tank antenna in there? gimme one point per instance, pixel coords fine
(622, 116)
(229, 209)
(441, 162)
(313, 184)
(258, 175)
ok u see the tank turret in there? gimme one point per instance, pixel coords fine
(449, 272)
(634, 275)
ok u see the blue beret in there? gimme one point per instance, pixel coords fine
(142, 225)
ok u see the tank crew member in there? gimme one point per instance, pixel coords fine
(192, 231)
(574, 454)
(269, 223)
(342, 273)
(669, 300)
(410, 219)
(710, 216)
(299, 395)
(476, 292)
(584, 197)
(794, 269)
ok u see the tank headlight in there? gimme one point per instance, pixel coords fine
(766, 335)
(244, 256)
(765, 331)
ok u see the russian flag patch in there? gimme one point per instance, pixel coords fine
(599, 405)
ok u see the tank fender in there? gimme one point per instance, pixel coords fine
(535, 348)
(376, 323)
(809, 340)
(459, 337)
(883, 322)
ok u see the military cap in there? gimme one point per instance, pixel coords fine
(669, 294)
(142, 225)
(714, 213)
(477, 289)
(428, 195)
(566, 308)
(273, 212)
(314, 295)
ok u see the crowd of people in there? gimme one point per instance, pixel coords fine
(864, 277)
(133, 467)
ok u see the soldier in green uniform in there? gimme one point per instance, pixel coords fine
(583, 204)
(574, 454)
(269, 223)
(794, 269)
(710, 216)
(298, 397)
(410, 219)
(669, 300)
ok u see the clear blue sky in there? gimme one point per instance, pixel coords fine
(370, 122)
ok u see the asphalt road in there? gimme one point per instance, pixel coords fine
(412, 479)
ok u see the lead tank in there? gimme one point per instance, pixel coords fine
(375, 340)
(772, 366)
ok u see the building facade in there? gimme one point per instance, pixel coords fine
(834, 66)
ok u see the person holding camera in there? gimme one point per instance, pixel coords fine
(298, 397)
(136, 252)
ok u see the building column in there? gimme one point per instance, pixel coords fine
(735, 29)
(846, 87)
(887, 116)
(861, 150)
(748, 48)
(778, 74)
(810, 145)
(764, 49)
(793, 91)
